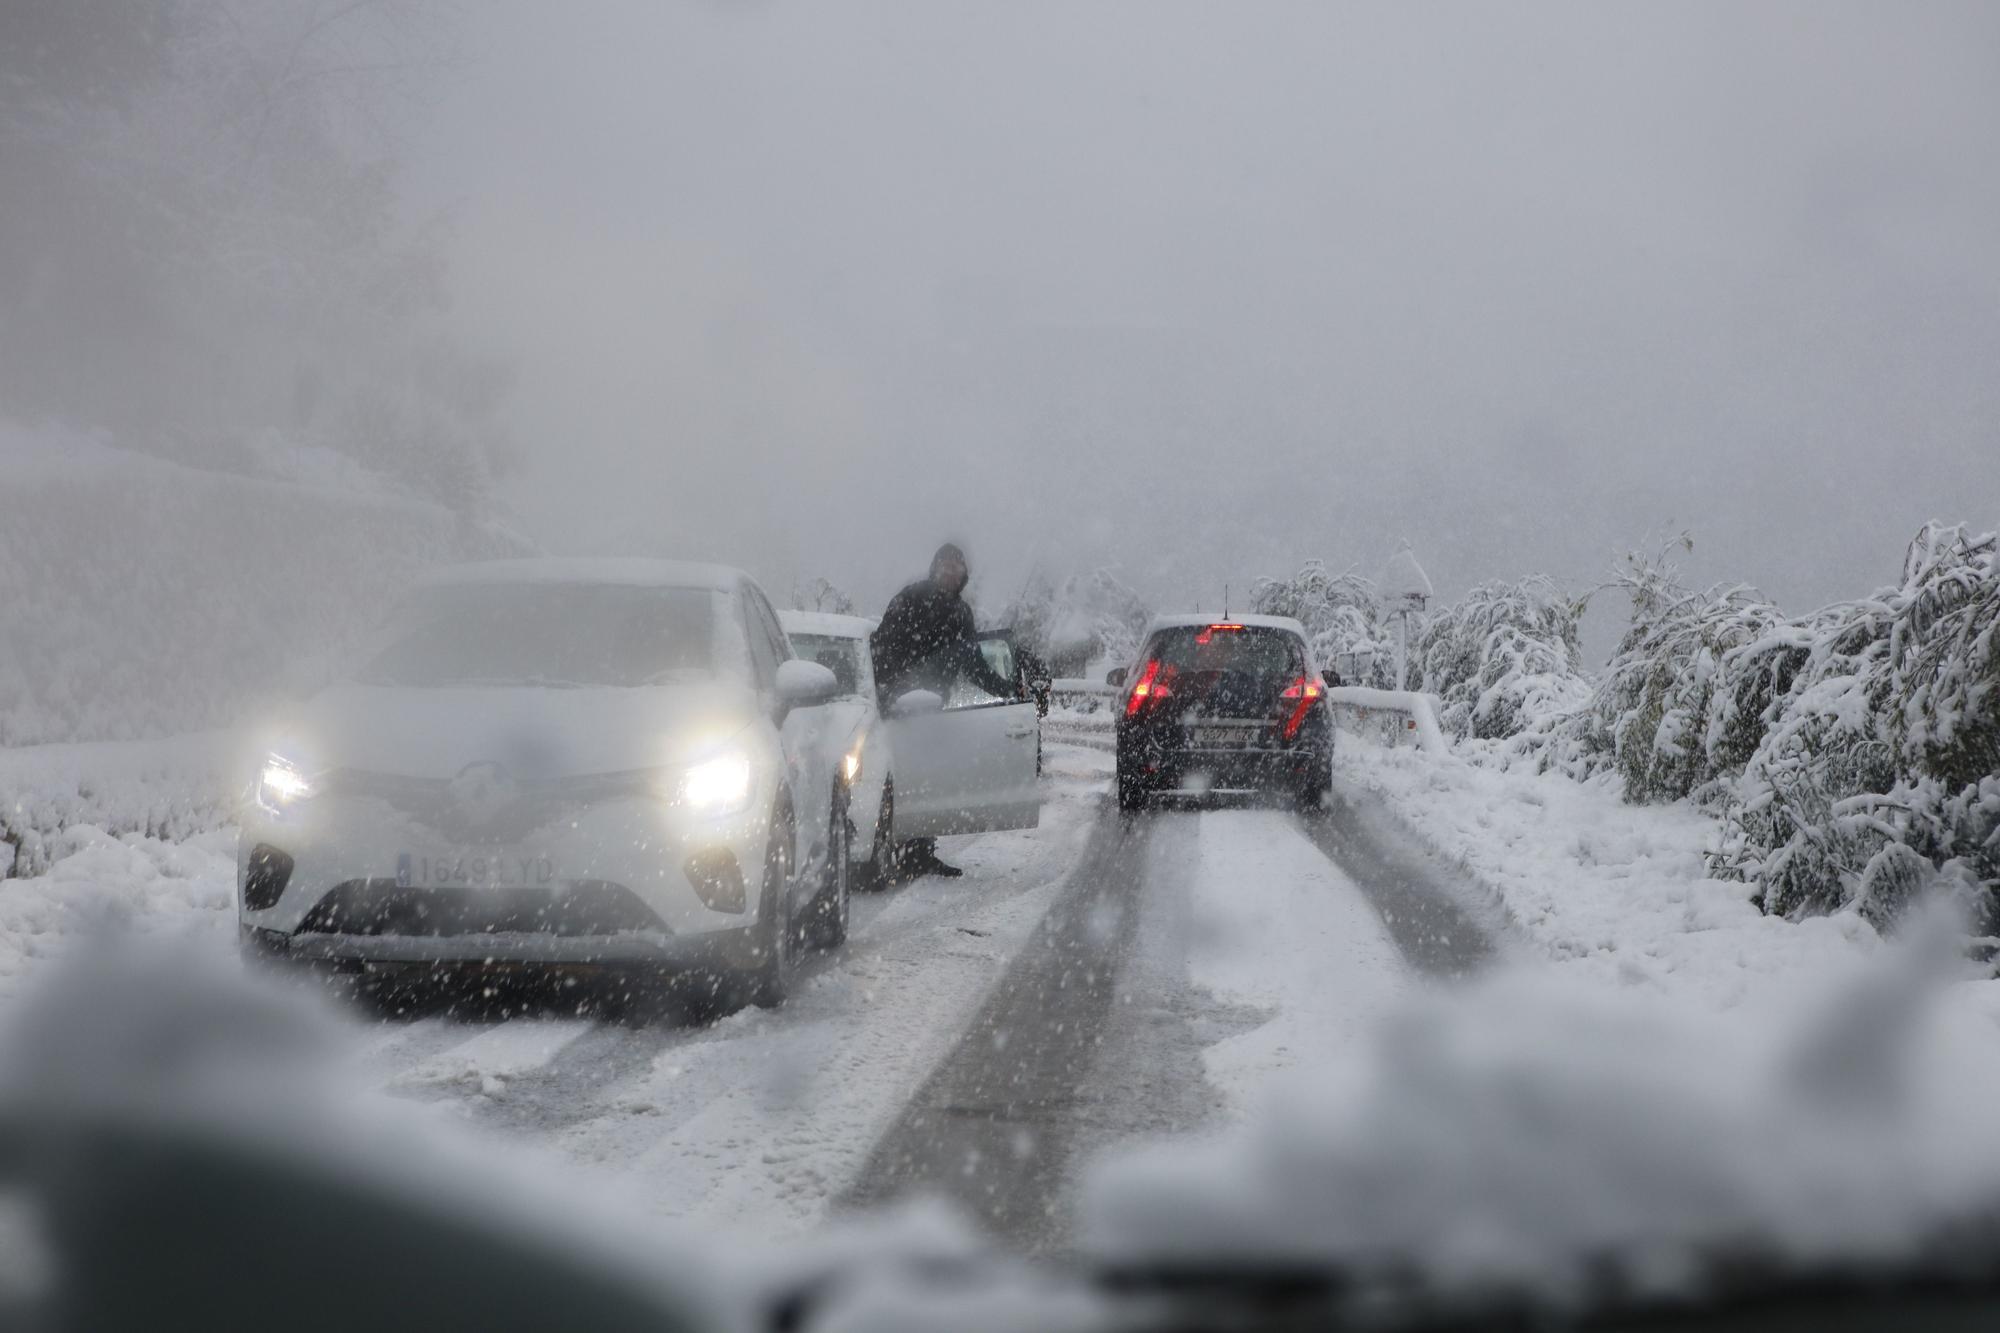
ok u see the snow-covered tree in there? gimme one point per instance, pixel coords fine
(819, 595)
(1091, 617)
(1504, 660)
(1030, 612)
(1880, 762)
(1853, 753)
(1687, 695)
(1343, 617)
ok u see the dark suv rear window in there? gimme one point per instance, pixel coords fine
(1250, 651)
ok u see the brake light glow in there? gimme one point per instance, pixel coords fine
(1304, 690)
(1150, 685)
(1208, 635)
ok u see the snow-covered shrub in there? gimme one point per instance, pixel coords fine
(1504, 660)
(1342, 614)
(1880, 759)
(1682, 702)
(1853, 754)
(1783, 826)
(1945, 650)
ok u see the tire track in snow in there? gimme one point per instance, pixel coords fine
(1095, 1035)
(993, 1125)
(490, 1057)
(659, 1075)
(767, 1119)
(511, 1076)
(1424, 911)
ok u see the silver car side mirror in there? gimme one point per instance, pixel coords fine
(917, 703)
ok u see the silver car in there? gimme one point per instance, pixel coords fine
(966, 763)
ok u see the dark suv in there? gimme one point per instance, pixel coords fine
(1221, 706)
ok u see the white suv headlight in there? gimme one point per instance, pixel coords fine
(280, 784)
(717, 786)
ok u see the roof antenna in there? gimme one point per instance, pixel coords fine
(1225, 601)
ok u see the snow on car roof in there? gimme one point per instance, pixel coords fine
(1194, 621)
(827, 623)
(629, 572)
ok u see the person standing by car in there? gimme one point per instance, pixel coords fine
(926, 641)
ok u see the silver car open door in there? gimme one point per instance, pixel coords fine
(965, 767)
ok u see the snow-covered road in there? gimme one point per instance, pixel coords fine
(1102, 979)
(1195, 959)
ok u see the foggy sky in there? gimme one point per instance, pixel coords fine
(1202, 291)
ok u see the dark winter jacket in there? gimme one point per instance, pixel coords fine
(926, 641)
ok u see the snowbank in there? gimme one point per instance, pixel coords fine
(133, 885)
(170, 789)
(1540, 1134)
(1620, 892)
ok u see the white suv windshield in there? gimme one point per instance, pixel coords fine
(550, 635)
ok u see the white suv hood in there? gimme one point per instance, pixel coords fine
(536, 733)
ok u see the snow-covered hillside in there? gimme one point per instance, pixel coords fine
(142, 598)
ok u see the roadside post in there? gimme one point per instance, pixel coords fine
(1406, 588)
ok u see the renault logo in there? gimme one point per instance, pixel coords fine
(481, 793)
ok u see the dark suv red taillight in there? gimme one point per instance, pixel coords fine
(1153, 684)
(1302, 694)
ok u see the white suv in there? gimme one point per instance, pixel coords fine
(591, 765)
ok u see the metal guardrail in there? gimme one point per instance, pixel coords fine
(1390, 717)
(1086, 697)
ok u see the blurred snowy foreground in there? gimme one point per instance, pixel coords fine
(1655, 1086)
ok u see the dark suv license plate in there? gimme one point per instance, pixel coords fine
(1220, 735)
